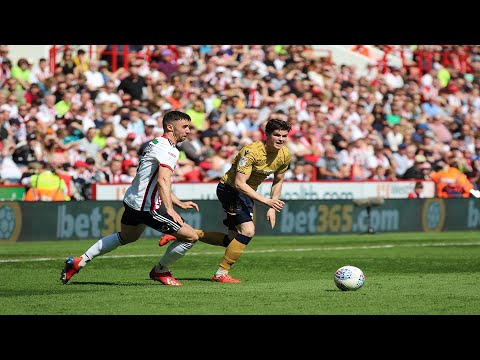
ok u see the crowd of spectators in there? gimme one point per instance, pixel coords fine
(90, 124)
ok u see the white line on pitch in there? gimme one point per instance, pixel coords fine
(260, 251)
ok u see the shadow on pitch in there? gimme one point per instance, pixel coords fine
(194, 279)
(107, 283)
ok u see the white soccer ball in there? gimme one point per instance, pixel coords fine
(349, 278)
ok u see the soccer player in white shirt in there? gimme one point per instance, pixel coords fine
(149, 202)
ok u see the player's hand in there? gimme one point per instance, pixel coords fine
(275, 204)
(175, 216)
(190, 205)
(271, 216)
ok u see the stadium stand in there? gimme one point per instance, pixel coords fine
(89, 110)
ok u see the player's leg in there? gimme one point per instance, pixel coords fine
(227, 197)
(239, 209)
(187, 237)
(209, 237)
(131, 230)
(234, 250)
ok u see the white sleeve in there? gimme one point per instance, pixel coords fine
(166, 154)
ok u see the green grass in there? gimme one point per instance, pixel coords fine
(406, 273)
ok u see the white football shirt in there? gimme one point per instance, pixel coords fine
(144, 193)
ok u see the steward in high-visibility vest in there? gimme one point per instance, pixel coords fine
(451, 182)
(45, 186)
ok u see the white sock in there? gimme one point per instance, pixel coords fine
(175, 251)
(102, 246)
(220, 272)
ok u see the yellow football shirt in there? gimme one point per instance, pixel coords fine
(253, 159)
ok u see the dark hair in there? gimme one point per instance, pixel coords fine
(454, 164)
(276, 124)
(172, 116)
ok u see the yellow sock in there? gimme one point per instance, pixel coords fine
(211, 237)
(232, 253)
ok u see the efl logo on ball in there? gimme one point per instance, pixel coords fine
(349, 278)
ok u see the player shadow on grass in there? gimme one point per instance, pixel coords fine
(107, 283)
(195, 279)
(150, 282)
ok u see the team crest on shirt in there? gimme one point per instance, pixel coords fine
(243, 161)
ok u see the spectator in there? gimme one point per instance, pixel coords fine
(63, 106)
(415, 171)
(21, 72)
(198, 115)
(402, 160)
(417, 191)
(81, 63)
(46, 185)
(129, 175)
(133, 84)
(297, 173)
(5, 71)
(27, 151)
(330, 166)
(95, 80)
(10, 173)
(236, 126)
(15, 92)
(220, 162)
(167, 63)
(108, 95)
(66, 64)
(122, 129)
(34, 96)
(451, 182)
(89, 144)
(193, 148)
(113, 171)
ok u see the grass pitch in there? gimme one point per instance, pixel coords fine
(406, 274)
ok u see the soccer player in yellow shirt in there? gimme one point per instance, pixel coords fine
(237, 193)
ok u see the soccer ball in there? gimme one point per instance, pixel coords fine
(349, 278)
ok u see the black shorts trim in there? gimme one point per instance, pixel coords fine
(156, 219)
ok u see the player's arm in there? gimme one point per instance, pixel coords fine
(165, 189)
(275, 194)
(184, 204)
(277, 185)
(242, 186)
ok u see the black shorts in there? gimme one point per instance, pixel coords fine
(239, 207)
(156, 219)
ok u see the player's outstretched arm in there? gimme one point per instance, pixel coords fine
(242, 186)
(165, 188)
(184, 204)
(277, 186)
(275, 194)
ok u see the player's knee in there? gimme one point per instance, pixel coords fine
(248, 232)
(244, 239)
(192, 237)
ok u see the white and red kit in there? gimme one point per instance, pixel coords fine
(143, 194)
